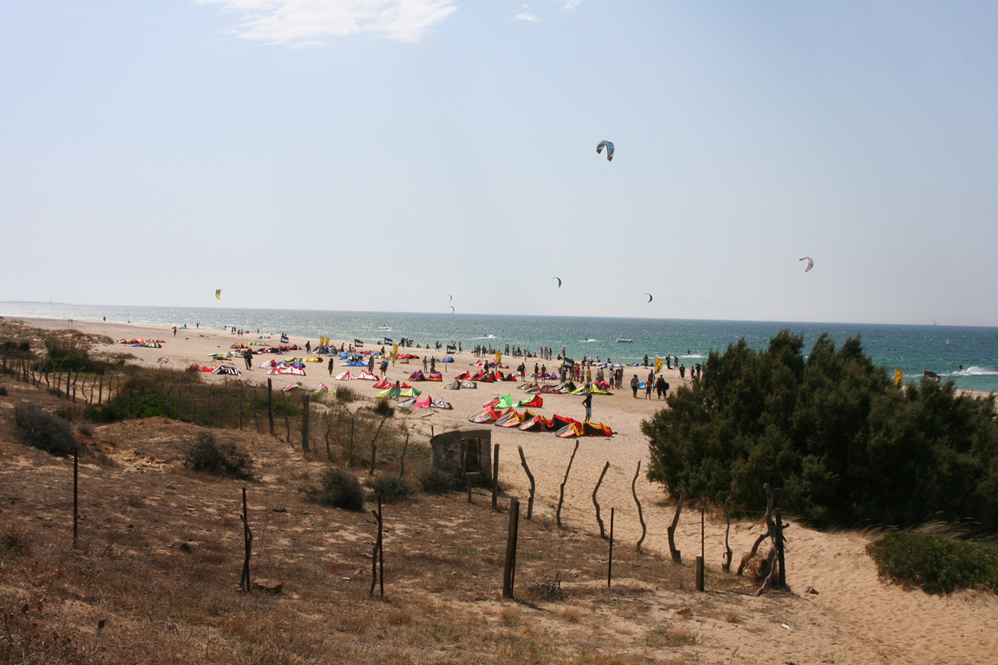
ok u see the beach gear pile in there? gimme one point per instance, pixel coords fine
(147, 343)
(502, 412)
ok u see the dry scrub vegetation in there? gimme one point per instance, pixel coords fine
(155, 578)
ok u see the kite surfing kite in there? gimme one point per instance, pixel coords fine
(649, 297)
(218, 294)
(451, 298)
(609, 149)
(559, 281)
(451, 308)
(810, 263)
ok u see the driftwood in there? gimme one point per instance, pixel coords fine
(602, 530)
(726, 566)
(772, 554)
(641, 517)
(530, 500)
(677, 556)
(561, 497)
(758, 541)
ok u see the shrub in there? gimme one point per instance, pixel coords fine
(383, 408)
(127, 407)
(337, 488)
(436, 482)
(391, 488)
(43, 430)
(13, 540)
(832, 434)
(936, 563)
(220, 459)
(345, 394)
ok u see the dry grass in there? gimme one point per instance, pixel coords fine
(155, 580)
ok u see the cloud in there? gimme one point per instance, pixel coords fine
(571, 4)
(313, 21)
(526, 16)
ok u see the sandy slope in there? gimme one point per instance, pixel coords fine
(854, 618)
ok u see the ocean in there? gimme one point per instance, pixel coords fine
(967, 355)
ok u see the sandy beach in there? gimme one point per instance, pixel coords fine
(854, 617)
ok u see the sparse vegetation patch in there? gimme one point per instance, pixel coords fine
(43, 430)
(220, 459)
(934, 562)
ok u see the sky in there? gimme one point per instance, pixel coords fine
(409, 155)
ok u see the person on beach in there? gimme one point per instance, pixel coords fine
(588, 403)
(634, 385)
(384, 368)
(649, 384)
(330, 367)
(308, 346)
(682, 371)
(661, 386)
(370, 364)
(248, 357)
(174, 331)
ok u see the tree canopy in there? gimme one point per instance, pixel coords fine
(839, 443)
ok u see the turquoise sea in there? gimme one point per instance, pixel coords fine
(968, 355)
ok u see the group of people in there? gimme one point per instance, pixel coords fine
(658, 384)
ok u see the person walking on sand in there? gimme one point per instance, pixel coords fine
(588, 403)
(649, 384)
(330, 367)
(634, 385)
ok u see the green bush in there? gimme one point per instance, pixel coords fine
(435, 482)
(936, 563)
(337, 488)
(382, 407)
(127, 407)
(345, 394)
(835, 438)
(220, 459)
(391, 488)
(42, 430)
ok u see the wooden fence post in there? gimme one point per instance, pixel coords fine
(464, 466)
(305, 446)
(641, 517)
(609, 563)
(405, 447)
(561, 497)
(76, 485)
(726, 565)
(270, 405)
(602, 531)
(495, 476)
(530, 500)
(244, 581)
(287, 420)
(509, 569)
(782, 580)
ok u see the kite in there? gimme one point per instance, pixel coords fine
(609, 149)
(559, 281)
(451, 298)
(810, 262)
(451, 308)
(649, 297)
(218, 294)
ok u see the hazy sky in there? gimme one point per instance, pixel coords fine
(386, 154)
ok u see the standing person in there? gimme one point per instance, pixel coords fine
(424, 365)
(588, 403)
(433, 365)
(330, 367)
(384, 368)
(308, 346)
(682, 371)
(174, 331)
(634, 385)
(649, 384)
(370, 364)
(646, 360)
(660, 387)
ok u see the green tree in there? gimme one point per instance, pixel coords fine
(832, 434)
